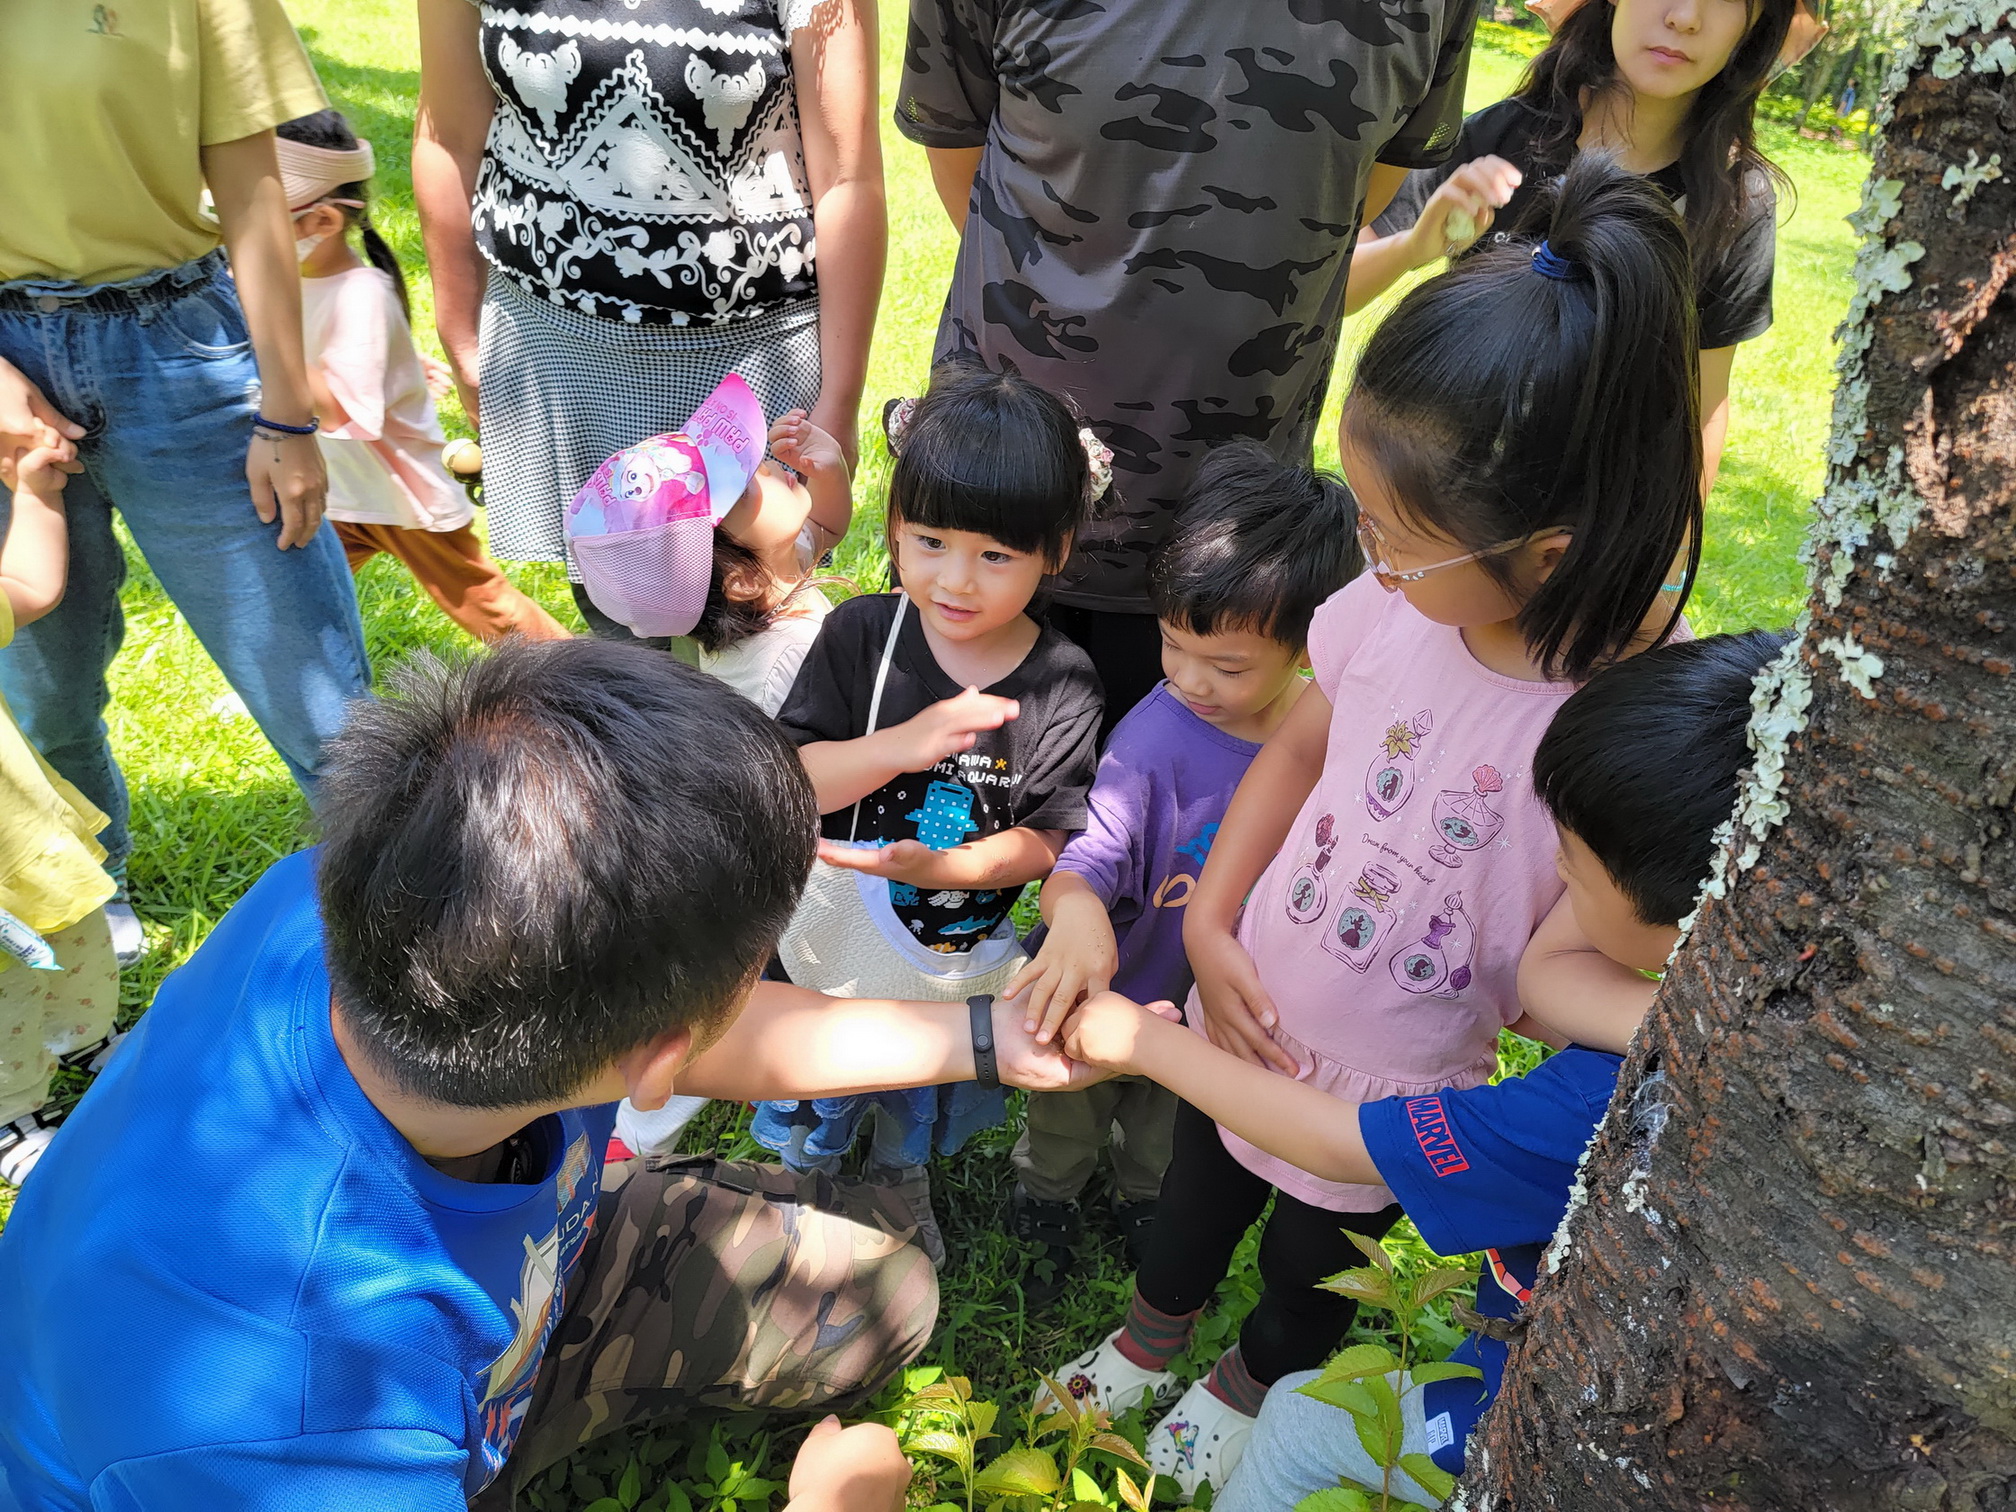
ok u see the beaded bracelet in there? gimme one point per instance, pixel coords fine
(260, 422)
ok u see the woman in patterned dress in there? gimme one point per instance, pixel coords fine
(626, 200)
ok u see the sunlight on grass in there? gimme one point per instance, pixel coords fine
(213, 806)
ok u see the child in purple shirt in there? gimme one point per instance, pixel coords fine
(1258, 544)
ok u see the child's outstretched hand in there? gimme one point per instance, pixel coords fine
(1077, 961)
(950, 726)
(1237, 1011)
(803, 447)
(909, 861)
(1106, 1030)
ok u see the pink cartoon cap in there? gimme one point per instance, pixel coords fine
(642, 528)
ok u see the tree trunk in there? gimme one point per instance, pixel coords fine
(1788, 1275)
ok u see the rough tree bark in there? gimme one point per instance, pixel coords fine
(1788, 1279)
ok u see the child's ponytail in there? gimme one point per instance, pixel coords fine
(378, 252)
(1554, 388)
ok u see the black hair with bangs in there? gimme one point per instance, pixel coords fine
(996, 455)
(1257, 545)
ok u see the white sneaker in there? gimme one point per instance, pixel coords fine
(129, 940)
(1200, 1439)
(1108, 1377)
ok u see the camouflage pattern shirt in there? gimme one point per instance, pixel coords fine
(1163, 216)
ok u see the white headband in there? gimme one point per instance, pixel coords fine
(308, 173)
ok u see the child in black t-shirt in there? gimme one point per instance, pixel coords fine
(950, 739)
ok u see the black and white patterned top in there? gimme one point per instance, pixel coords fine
(1164, 210)
(644, 163)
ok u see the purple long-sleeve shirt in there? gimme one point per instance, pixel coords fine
(1163, 787)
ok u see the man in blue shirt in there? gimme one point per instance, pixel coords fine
(332, 1230)
(1639, 769)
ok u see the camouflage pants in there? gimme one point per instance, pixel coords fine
(725, 1283)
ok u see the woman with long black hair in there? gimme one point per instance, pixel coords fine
(1669, 88)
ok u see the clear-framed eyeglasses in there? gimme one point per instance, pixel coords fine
(1390, 578)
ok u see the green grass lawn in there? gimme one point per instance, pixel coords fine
(213, 807)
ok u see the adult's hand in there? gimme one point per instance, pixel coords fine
(289, 483)
(29, 422)
(1022, 1062)
(857, 1469)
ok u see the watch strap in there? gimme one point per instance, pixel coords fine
(980, 1013)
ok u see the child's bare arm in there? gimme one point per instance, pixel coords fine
(846, 771)
(1567, 985)
(35, 559)
(1237, 1012)
(1077, 960)
(815, 456)
(1290, 1120)
(1006, 859)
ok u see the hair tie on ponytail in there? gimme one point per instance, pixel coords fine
(1551, 264)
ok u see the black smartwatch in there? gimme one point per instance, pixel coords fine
(981, 1012)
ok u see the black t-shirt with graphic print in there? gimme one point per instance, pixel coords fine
(1034, 772)
(1163, 213)
(1732, 291)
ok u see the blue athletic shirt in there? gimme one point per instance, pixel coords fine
(1489, 1169)
(233, 1285)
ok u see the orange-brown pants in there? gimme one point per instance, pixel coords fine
(458, 574)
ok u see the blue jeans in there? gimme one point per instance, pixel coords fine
(159, 371)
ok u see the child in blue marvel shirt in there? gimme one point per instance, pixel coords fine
(1638, 769)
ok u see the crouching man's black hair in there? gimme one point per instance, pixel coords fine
(1641, 763)
(538, 859)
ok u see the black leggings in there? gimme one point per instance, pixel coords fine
(1208, 1202)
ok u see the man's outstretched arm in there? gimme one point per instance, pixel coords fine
(793, 1043)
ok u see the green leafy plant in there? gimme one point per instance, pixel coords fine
(1072, 1458)
(1369, 1381)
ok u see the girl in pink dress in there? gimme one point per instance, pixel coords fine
(1523, 442)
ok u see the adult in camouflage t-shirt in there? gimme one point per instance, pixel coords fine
(1164, 195)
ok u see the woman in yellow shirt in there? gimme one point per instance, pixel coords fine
(183, 380)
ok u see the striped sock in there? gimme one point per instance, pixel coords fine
(1152, 1338)
(1233, 1384)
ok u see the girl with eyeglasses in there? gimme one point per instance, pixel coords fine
(1523, 439)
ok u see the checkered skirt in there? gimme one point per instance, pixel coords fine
(563, 391)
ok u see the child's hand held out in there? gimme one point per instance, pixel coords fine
(857, 1469)
(951, 726)
(1077, 961)
(1107, 1031)
(908, 861)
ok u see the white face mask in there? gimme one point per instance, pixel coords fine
(305, 245)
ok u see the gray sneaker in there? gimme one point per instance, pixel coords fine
(913, 1185)
(129, 940)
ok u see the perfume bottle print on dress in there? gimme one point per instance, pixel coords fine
(1389, 781)
(1307, 896)
(1464, 821)
(1364, 918)
(1439, 962)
